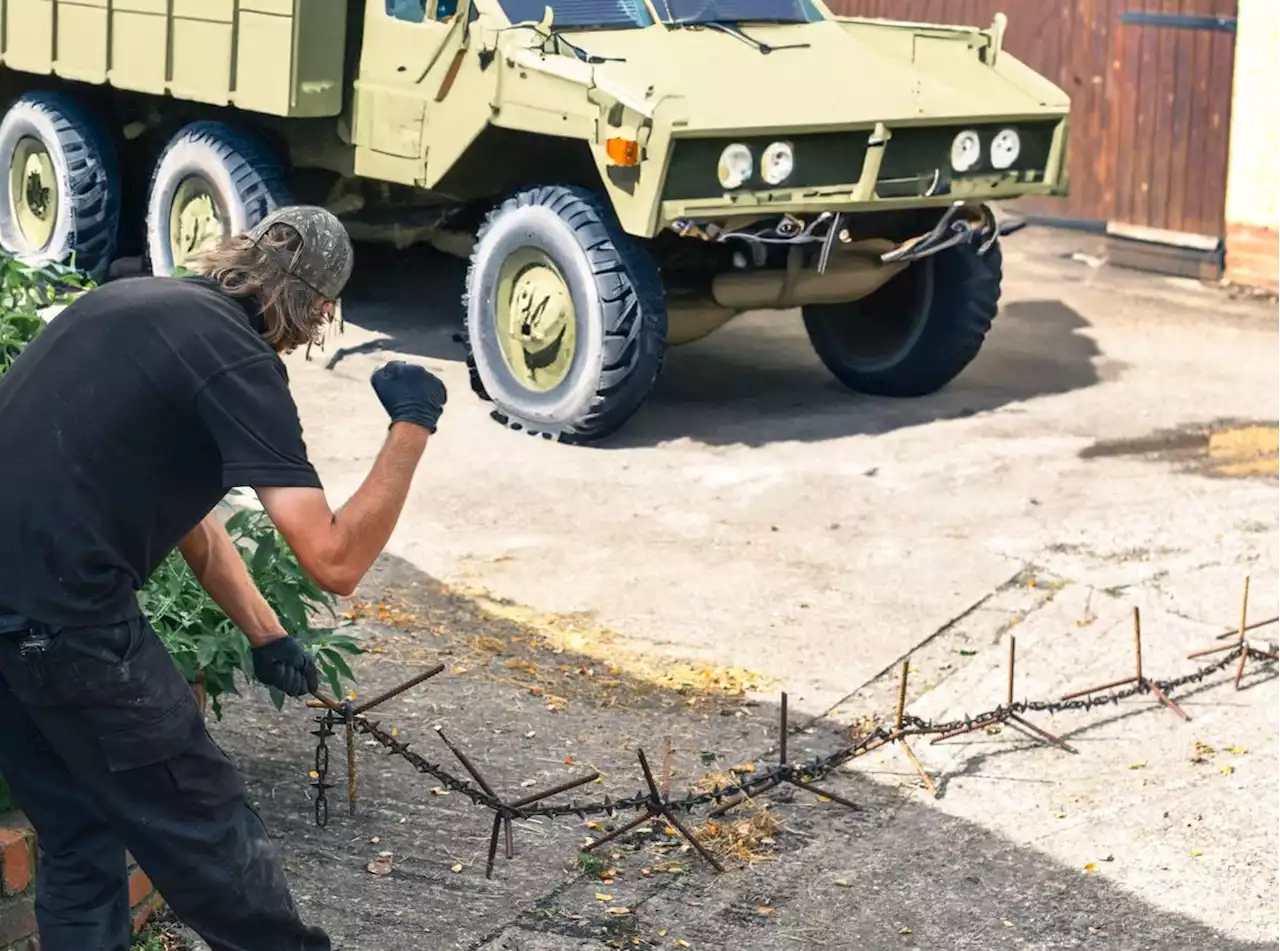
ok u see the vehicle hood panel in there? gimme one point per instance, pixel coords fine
(846, 76)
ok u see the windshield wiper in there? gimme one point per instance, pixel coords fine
(555, 36)
(736, 32)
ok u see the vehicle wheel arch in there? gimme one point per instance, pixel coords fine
(475, 176)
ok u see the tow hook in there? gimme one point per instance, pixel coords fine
(951, 231)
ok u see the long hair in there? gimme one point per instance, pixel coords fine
(291, 310)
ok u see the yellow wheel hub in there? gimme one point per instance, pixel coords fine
(33, 192)
(535, 317)
(195, 221)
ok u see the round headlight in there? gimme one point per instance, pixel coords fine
(966, 149)
(1005, 148)
(777, 163)
(736, 165)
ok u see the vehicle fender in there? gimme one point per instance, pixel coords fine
(636, 191)
(566, 97)
(545, 95)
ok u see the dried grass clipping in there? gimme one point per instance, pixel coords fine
(744, 835)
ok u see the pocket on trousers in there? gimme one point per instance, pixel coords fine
(130, 692)
(91, 666)
(204, 776)
(145, 737)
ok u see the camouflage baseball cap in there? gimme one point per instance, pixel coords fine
(325, 261)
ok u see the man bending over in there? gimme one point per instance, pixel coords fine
(122, 426)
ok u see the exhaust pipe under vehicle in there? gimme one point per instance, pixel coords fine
(847, 269)
(852, 274)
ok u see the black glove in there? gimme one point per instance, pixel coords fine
(410, 393)
(283, 664)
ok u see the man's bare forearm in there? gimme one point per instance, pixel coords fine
(217, 565)
(337, 548)
(367, 519)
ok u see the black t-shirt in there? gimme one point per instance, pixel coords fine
(121, 426)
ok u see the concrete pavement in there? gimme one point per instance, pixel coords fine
(757, 519)
(822, 532)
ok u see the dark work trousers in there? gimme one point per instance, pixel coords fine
(105, 749)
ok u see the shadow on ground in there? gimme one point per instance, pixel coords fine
(756, 381)
(896, 874)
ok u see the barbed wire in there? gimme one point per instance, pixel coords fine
(655, 803)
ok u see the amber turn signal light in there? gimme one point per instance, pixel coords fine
(623, 151)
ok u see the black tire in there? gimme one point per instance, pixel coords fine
(86, 172)
(245, 179)
(915, 334)
(620, 316)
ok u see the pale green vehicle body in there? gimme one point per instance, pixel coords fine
(422, 93)
(413, 130)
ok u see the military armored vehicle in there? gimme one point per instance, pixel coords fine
(624, 175)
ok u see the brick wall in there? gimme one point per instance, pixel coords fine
(1253, 176)
(17, 887)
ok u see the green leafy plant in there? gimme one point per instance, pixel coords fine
(26, 290)
(206, 645)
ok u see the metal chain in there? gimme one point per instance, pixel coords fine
(323, 731)
(419, 762)
(760, 781)
(1064, 706)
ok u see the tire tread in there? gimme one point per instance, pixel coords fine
(966, 299)
(260, 180)
(629, 286)
(93, 178)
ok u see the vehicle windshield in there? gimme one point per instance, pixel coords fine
(569, 14)
(737, 11)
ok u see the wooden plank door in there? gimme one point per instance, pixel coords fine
(1171, 99)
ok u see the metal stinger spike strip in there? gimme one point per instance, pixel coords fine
(655, 802)
(1241, 645)
(656, 805)
(1007, 714)
(504, 812)
(1142, 683)
(784, 772)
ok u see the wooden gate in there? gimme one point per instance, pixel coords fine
(1150, 86)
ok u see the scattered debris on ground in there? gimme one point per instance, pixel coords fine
(556, 658)
(163, 933)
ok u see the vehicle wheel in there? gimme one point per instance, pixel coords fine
(566, 324)
(915, 334)
(211, 181)
(60, 198)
